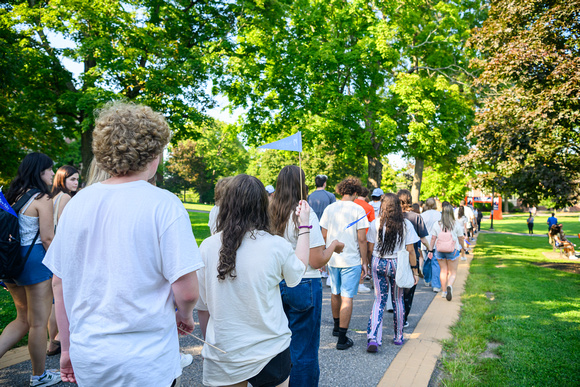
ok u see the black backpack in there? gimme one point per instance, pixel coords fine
(11, 261)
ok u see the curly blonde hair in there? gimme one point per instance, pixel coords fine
(127, 137)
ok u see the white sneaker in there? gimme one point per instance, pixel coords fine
(48, 378)
(362, 288)
(186, 359)
(463, 258)
(444, 295)
(328, 282)
(436, 290)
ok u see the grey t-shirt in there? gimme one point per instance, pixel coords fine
(319, 200)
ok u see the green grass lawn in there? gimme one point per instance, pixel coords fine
(517, 223)
(532, 313)
(8, 311)
(197, 206)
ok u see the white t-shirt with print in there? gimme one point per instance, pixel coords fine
(456, 233)
(335, 219)
(118, 249)
(411, 237)
(316, 239)
(247, 318)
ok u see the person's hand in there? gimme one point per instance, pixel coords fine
(67, 374)
(430, 255)
(416, 276)
(184, 323)
(338, 247)
(303, 213)
(365, 270)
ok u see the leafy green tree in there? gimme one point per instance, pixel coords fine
(201, 163)
(528, 137)
(446, 183)
(359, 78)
(149, 51)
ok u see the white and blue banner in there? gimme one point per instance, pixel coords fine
(290, 143)
(5, 206)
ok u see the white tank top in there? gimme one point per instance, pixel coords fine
(28, 225)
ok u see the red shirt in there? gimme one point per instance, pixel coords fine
(369, 210)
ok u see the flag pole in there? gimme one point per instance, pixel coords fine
(300, 160)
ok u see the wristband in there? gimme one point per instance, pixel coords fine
(309, 227)
(305, 232)
(415, 267)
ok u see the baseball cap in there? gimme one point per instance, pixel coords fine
(377, 192)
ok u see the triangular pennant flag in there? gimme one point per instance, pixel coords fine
(290, 143)
(5, 206)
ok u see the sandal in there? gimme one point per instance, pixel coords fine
(54, 351)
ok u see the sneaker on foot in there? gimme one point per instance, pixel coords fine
(398, 342)
(372, 346)
(443, 294)
(186, 359)
(48, 378)
(349, 343)
(406, 324)
(362, 288)
(335, 332)
(328, 281)
(436, 290)
(427, 284)
(389, 311)
(449, 293)
(463, 258)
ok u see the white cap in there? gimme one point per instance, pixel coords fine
(270, 189)
(377, 192)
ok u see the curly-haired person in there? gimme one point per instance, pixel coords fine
(124, 262)
(346, 222)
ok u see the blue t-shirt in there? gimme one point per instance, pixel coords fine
(319, 200)
(552, 221)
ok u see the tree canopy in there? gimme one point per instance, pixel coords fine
(528, 136)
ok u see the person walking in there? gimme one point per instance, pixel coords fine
(239, 289)
(66, 183)
(320, 198)
(431, 270)
(130, 243)
(29, 194)
(302, 303)
(447, 239)
(376, 197)
(387, 235)
(346, 222)
(530, 221)
(361, 200)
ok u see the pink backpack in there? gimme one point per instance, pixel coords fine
(445, 242)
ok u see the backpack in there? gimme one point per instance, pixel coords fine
(445, 242)
(11, 261)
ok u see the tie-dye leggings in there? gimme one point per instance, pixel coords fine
(384, 271)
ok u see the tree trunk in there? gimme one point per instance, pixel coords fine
(375, 172)
(86, 151)
(417, 180)
(506, 207)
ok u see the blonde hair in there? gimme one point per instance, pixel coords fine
(220, 189)
(127, 137)
(96, 174)
(447, 218)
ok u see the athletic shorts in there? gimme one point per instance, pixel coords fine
(275, 372)
(344, 280)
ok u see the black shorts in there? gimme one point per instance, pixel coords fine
(275, 372)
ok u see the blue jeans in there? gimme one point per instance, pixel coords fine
(303, 307)
(435, 272)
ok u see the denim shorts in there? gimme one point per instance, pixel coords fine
(34, 271)
(449, 256)
(344, 280)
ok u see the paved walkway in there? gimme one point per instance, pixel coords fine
(409, 365)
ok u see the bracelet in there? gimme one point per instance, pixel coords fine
(415, 267)
(305, 232)
(431, 251)
(309, 227)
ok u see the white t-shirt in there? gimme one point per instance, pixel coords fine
(316, 239)
(247, 318)
(118, 250)
(462, 222)
(430, 217)
(213, 214)
(467, 211)
(456, 233)
(335, 219)
(376, 206)
(411, 237)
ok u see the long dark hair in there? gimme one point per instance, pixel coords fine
(59, 182)
(243, 209)
(460, 212)
(287, 198)
(393, 222)
(28, 176)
